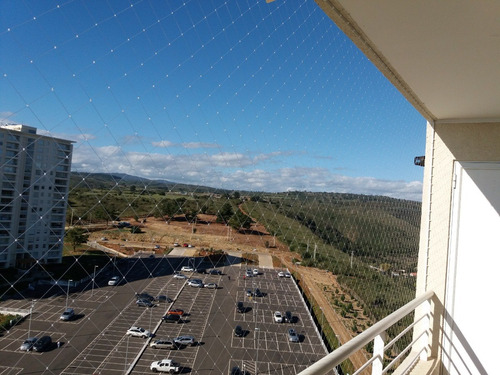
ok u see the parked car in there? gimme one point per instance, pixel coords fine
(172, 318)
(162, 298)
(249, 293)
(42, 344)
(248, 273)
(201, 270)
(180, 276)
(67, 314)
(187, 269)
(138, 332)
(215, 272)
(145, 296)
(281, 274)
(27, 344)
(258, 293)
(175, 312)
(238, 331)
(211, 286)
(288, 275)
(115, 280)
(196, 283)
(176, 244)
(239, 307)
(165, 365)
(278, 318)
(237, 371)
(144, 303)
(165, 344)
(288, 318)
(292, 335)
(185, 340)
(255, 271)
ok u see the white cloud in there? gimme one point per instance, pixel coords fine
(187, 145)
(163, 144)
(199, 145)
(235, 171)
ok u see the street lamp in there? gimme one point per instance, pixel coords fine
(257, 350)
(67, 292)
(93, 280)
(321, 326)
(31, 313)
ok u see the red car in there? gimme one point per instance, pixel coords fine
(175, 312)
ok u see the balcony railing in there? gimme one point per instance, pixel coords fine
(418, 348)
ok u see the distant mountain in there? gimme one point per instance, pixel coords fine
(111, 180)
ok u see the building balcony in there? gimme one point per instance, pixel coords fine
(417, 358)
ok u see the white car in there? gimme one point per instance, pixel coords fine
(165, 365)
(115, 280)
(288, 275)
(281, 274)
(255, 271)
(138, 332)
(187, 269)
(180, 276)
(196, 283)
(278, 318)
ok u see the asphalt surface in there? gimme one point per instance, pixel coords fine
(95, 341)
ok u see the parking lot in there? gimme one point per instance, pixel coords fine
(95, 341)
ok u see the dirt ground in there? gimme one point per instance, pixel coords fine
(206, 233)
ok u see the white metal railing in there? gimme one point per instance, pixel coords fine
(376, 333)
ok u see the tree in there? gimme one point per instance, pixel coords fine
(76, 236)
(169, 207)
(225, 213)
(240, 221)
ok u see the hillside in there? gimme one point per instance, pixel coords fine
(364, 240)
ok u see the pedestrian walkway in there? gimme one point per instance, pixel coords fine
(266, 261)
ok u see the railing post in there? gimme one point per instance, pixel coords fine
(426, 323)
(378, 354)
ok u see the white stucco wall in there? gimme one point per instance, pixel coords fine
(447, 143)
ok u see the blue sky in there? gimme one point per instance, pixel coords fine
(241, 95)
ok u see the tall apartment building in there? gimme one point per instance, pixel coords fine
(34, 180)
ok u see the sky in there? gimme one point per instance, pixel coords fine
(240, 95)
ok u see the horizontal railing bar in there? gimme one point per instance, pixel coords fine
(403, 352)
(366, 364)
(413, 361)
(393, 341)
(331, 360)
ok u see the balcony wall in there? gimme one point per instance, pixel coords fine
(448, 143)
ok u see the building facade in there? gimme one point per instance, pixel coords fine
(34, 179)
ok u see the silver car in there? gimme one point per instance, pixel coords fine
(67, 314)
(185, 340)
(196, 283)
(27, 345)
(164, 344)
(292, 335)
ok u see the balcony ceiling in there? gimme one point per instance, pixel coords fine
(444, 56)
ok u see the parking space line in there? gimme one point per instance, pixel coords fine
(10, 370)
